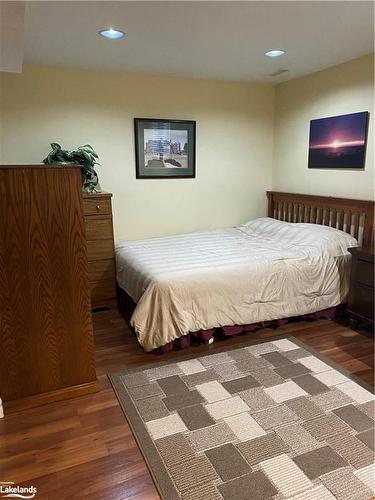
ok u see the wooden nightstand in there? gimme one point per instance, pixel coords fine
(97, 210)
(361, 294)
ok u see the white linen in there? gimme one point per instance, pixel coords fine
(263, 270)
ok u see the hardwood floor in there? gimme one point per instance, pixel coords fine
(83, 448)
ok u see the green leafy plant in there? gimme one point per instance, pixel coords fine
(84, 156)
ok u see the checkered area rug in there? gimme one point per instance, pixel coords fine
(270, 420)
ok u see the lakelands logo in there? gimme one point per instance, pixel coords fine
(7, 490)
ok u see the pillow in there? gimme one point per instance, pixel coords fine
(309, 237)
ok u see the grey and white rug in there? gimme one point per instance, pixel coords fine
(270, 420)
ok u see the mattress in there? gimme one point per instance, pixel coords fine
(262, 270)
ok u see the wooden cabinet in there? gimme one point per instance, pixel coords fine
(46, 336)
(100, 249)
(361, 295)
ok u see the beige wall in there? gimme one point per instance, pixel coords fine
(236, 136)
(74, 107)
(342, 89)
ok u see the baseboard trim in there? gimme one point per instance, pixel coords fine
(50, 397)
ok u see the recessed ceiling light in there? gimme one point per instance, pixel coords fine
(112, 34)
(275, 53)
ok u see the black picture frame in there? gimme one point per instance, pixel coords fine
(180, 163)
(339, 142)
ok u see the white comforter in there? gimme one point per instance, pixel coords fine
(263, 270)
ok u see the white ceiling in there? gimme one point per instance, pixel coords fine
(224, 40)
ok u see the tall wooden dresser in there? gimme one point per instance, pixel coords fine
(46, 336)
(100, 248)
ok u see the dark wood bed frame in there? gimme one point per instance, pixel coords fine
(355, 217)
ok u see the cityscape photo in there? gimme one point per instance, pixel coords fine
(165, 148)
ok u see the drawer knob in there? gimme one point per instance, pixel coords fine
(98, 207)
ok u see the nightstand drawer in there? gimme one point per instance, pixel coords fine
(361, 301)
(100, 249)
(365, 273)
(96, 206)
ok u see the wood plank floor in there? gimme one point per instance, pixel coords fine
(83, 448)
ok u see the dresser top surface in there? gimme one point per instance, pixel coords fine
(38, 165)
(97, 195)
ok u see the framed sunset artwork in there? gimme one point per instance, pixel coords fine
(338, 141)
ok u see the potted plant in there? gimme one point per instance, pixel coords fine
(84, 156)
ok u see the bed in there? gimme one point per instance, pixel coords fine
(293, 262)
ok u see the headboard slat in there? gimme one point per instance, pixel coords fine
(313, 215)
(333, 218)
(356, 225)
(318, 215)
(350, 223)
(355, 217)
(341, 220)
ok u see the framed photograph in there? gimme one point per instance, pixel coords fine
(338, 141)
(164, 148)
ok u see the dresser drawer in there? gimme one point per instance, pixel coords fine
(365, 273)
(100, 249)
(102, 270)
(98, 228)
(95, 206)
(102, 290)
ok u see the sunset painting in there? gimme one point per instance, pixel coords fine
(338, 141)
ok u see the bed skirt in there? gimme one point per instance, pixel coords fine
(204, 336)
(127, 306)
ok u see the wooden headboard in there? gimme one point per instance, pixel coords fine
(355, 217)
